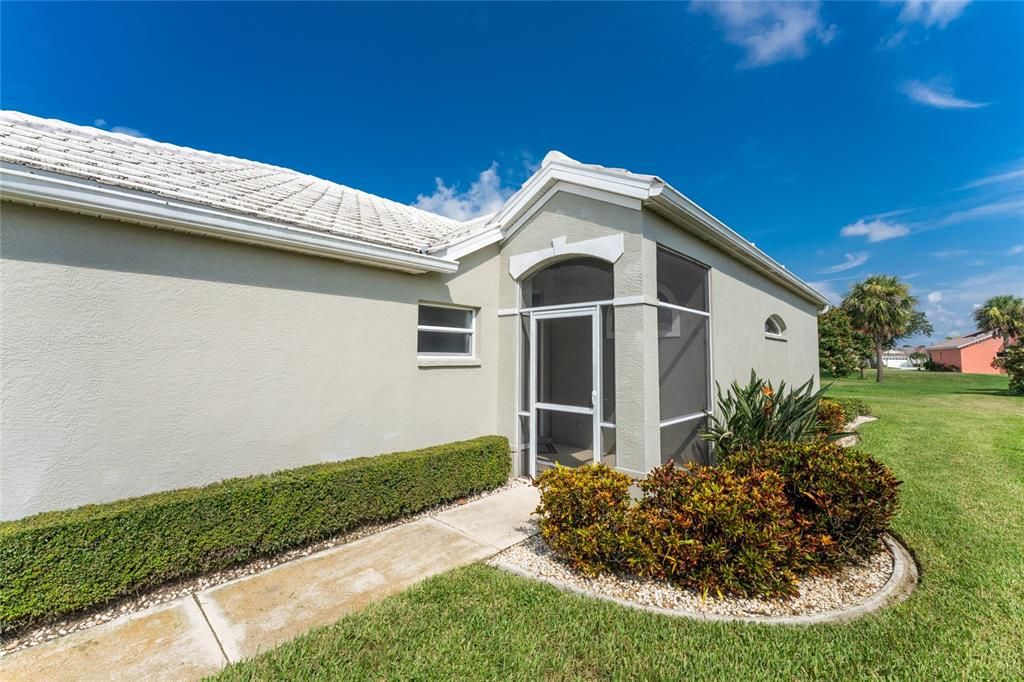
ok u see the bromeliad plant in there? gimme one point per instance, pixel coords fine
(759, 412)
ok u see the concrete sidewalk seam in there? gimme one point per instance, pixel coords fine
(463, 533)
(216, 637)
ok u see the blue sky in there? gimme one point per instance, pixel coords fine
(844, 139)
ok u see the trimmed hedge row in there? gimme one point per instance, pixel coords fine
(57, 563)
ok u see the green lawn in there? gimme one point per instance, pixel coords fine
(957, 442)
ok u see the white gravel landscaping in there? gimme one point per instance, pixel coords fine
(847, 588)
(853, 438)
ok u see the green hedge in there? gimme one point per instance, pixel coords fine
(57, 563)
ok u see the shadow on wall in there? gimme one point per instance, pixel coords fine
(60, 238)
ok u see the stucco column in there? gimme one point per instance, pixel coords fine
(638, 443)
(508, 419)
(636, 388)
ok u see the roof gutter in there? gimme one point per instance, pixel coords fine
(50, 190)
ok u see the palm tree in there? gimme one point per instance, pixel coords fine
(881, 307)
(1003, 316)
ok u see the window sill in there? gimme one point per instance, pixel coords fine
(427, 361)
(775, 337)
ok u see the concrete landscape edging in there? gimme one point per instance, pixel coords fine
(897, 588)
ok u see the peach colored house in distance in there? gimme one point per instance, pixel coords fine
(971, 354)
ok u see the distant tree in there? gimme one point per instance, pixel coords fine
(919, 324)
(881, 307)
(1002, 315)
(842, 349)
(918, 358)
(1012, 361)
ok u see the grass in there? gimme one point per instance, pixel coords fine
(957, 441)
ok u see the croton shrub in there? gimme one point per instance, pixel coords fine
(714, 530)
(831, 417)
(583, 515)
(842, 499)
(748, 527)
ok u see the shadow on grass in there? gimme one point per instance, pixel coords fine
(986, 391)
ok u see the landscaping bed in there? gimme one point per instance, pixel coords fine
(819, 598)
(595, 542)
(786, 504)
(957, 442)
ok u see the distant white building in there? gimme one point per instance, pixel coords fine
(897, 359)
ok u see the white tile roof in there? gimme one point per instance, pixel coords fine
(223, 182)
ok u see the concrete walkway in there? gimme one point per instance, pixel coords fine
(197, 635)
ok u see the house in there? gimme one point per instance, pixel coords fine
(896, 358)
(971, 354)
(174, 317)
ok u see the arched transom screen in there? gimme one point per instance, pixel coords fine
(578, 280)
(774, 326)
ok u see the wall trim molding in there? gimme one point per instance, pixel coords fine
(608, 249)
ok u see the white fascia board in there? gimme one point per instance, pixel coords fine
(562, 177)
(37, 188)
(527, 203)
(678, 206)
(474, 241)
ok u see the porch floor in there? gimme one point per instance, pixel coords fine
(568, 456)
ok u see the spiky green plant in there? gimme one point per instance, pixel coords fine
(750, 415)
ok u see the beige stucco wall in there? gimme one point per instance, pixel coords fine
(134, 360)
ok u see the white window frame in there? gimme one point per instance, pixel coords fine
(592, 311)
(683, 310)
(710, 399)
(470, 331)
(779, 323)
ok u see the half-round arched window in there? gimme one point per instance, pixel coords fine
(775, 326)
(577, 280)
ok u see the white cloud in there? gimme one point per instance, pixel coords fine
(125, 130)
(949, 253)
(959, 299)
(924, 13)
(995, 208)
(826, 289)
(938, 94)
(875, 230)
(850, 261)
(935, 297)
(770, 31)
(485, 195)
(1015, 250)
(994, 179)
(931, 13)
